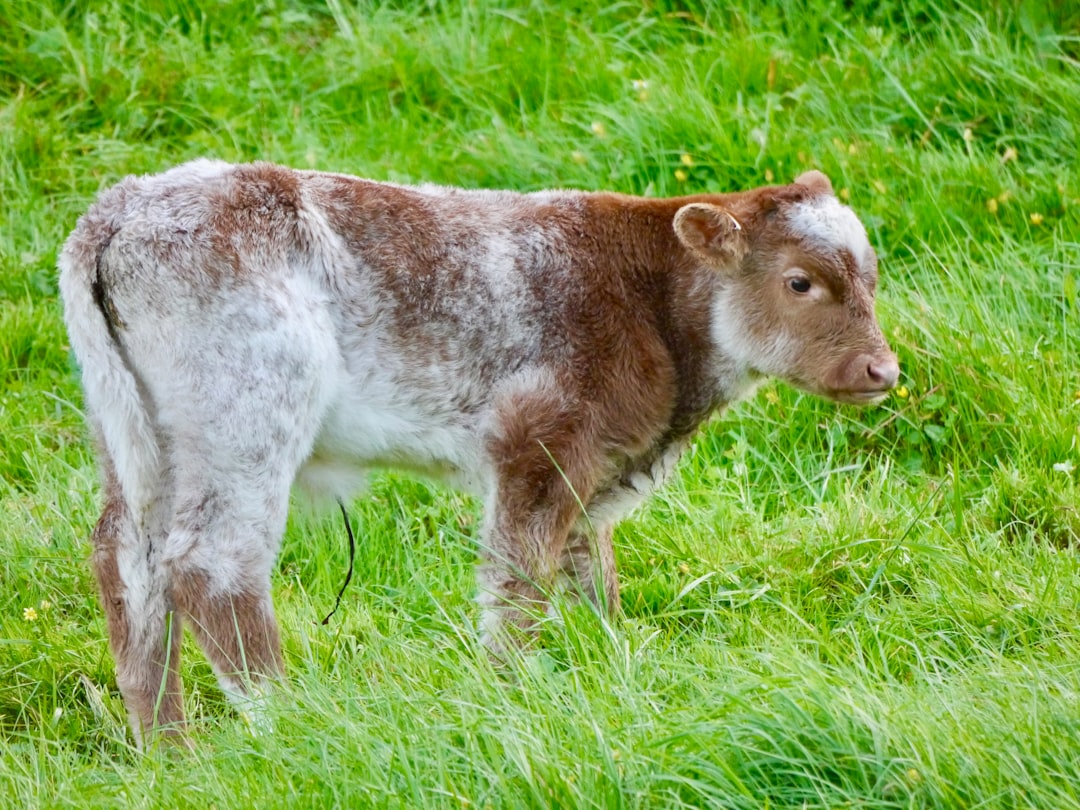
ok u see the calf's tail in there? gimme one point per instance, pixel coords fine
(117, 404)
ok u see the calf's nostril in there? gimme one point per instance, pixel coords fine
(884, 372)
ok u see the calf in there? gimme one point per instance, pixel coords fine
(240, 328)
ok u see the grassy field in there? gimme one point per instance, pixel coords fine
(826, 608)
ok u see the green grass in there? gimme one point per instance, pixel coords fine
(827, 607)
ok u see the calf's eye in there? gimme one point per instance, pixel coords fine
(799, 284)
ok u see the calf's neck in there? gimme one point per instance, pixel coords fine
(244, 328)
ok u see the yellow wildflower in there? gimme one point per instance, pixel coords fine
(1036, 218)
(684, 568)
(29, 614)
(598, 129)
(903, 392)
(769, 176)
(681, 176)
(992, 205)
(686, 160)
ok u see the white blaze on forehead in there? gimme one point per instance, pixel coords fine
(824, 222)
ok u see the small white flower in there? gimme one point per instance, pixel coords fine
(1064, 467)
(640, 84)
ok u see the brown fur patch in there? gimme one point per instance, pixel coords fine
(237, 631)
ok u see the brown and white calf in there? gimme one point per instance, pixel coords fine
(240, 328)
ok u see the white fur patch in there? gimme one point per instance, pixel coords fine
(741, 360)
(250, 702)
(832, 226)
(615, 503)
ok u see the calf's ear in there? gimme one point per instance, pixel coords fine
(815, 181)
(710, 231)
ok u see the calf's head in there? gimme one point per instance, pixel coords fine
(796, 278)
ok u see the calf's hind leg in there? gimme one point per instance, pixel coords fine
(227, 526)
(144, 628)
(221, 583)
(239, 415)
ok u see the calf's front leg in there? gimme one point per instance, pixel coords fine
(588, 565)
(546, 466)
